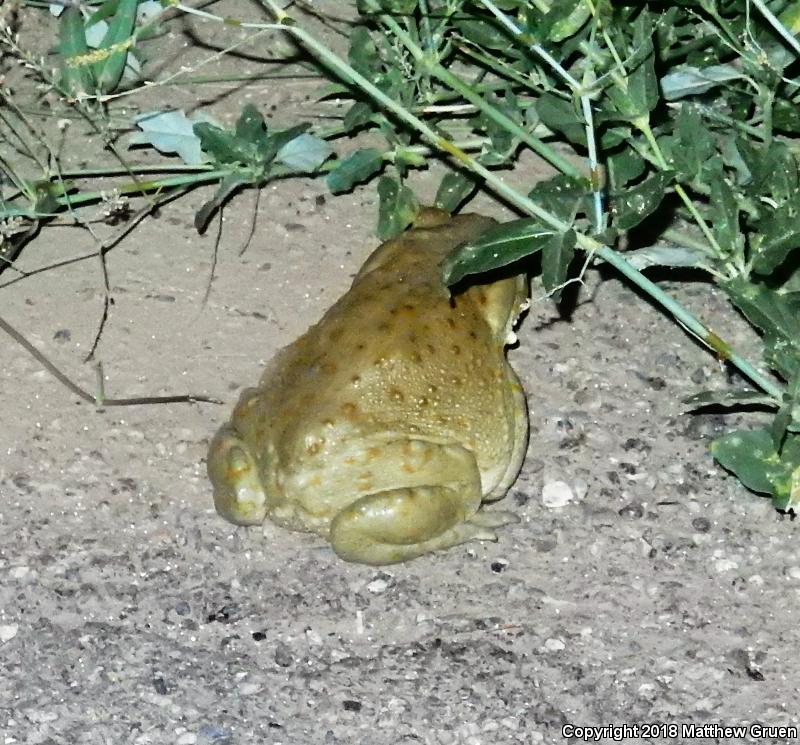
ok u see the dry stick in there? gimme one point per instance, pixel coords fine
(78, 391)
(214, 255)
(101, 254)
(252, 232)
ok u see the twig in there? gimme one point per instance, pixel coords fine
(214, 255)
(252, 232)
(82, 394)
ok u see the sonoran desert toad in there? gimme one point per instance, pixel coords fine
(386, 425)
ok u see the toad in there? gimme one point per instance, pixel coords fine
(387, 425)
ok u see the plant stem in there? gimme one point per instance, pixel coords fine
(578, 91)
(446, 77)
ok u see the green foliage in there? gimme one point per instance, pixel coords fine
(359, 166)
(85, 71)
(453, 190)
(250, 153)
(398, 207)
(499, 246)
(77, 78)
(760, 466)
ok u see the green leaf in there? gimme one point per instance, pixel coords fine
(557, 255)
(637, 96)
(694, 143)
(407, 157)
(561, 116)
(117, 42)
(692, 81)
(633, 205)
(359, 114)
(562, 195)
(773, 169)
(565, 19)
(624, 167)
(732, 157)
(76, 78)
(661, 254)
(359, 166)
(750, 456)
(108, 9)
(305, 153)
(729, 398)
(227, 187)
(724, 214)
(499, 246)
(454, 188)
(249, 144)
(398, 207)
(502, 143)
(788, 413)
(223, 146)
(484, 34)
(276, 140)
(251, 127)
(363, 55)
(169, 132)
(400, 7)
(777, 315)
(786, 116)
(778, 236)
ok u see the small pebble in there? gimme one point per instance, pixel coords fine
(725, 565)
(557, 494)
(377, 586)
(248, 689)
(8, 632)
(211, 733)
(554, 645)
(581, 488)
(701, 524)
(187, 738)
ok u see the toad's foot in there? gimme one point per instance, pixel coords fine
(400, 524)
(489, 519)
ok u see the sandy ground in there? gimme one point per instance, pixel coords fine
(657, 590)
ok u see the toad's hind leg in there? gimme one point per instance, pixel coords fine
(400, 524)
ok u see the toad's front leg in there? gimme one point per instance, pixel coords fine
(399, 524)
